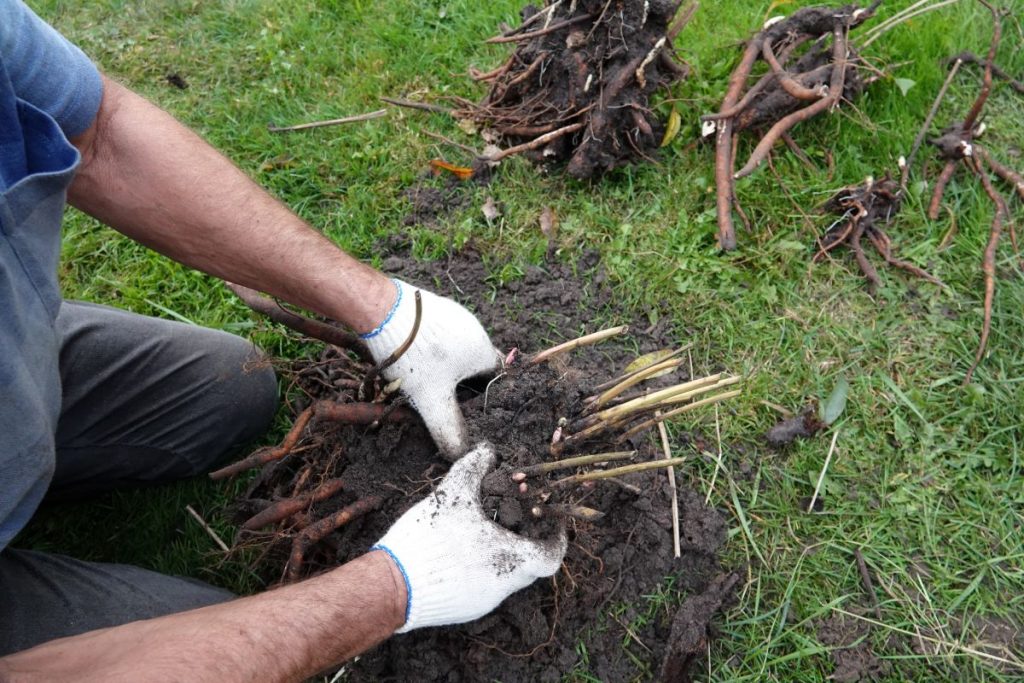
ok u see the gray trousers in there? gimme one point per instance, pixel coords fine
(144, 401)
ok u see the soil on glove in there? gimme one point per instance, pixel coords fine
(611, 564)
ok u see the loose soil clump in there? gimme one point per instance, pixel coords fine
(576, 90)
(355, 478)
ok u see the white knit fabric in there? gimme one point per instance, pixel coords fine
(459, 565)
(450, 346)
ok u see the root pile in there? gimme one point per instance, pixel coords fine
(864, 212)
(957, 146)
(576, 88)
(812, 68)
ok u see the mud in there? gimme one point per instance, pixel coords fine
(594, 614)
(851, 652)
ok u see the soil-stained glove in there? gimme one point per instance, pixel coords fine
(450, 346)
(458, 565)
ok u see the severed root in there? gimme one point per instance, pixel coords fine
(283, 509)
(347, 413)
(263, 457)
(864, 212)
(367, 384)
(318, 530)
(794, 89)
(325, 332)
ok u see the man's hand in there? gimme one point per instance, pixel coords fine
(458, 565)
(449, 346)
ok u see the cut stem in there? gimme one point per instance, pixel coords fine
(676, 550)
(572, 344)
(579, 512)
(622, 378)
(635, 378)
(647, 424)
(616, 472)
(568, 463)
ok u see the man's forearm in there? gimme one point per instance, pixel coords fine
(286, 634)
(151, 178)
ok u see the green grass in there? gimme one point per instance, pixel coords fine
(926, 479)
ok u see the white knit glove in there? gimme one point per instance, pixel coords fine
(450, 346)
(458, 565)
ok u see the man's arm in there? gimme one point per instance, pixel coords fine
(151, 178)
(442, 562)
(286, 634)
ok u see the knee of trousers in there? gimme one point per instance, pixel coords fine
(247, 401)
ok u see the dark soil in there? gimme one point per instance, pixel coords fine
(611, 563)
(596, 70)
(851, 652)
(802, 426)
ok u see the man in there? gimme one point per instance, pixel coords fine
(94, 398)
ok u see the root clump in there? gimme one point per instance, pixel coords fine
(577, 88)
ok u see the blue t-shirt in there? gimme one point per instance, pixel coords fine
(49, 91)
(46, 71)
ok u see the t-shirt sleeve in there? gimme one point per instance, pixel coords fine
(46, 70)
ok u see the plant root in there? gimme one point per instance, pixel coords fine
(576, 89)
(957, 147)
(283, 509)
(865, 210)
(324, 331)
(318, 530)
(794, 89)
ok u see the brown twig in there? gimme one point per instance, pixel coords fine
(329, 122)
(927, 123)
(325, 332)
(421, 106)
(868, 584)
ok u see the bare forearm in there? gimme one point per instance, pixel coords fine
(283, 635)
(151, 178)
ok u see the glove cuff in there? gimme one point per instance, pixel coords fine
(386, 330)
(424, 605)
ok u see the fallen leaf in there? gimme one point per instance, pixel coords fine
(460, 172)
(649, 359)
(834, 405)
(905, 84)
(672, 129)
(468, 126)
